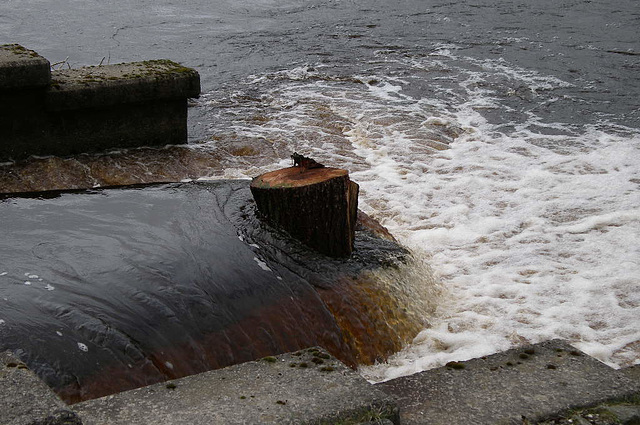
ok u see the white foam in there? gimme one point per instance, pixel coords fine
(533, 236)
(534, 244)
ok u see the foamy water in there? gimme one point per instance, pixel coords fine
(531, 226)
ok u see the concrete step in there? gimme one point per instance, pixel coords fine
(26, 400)
(525, 385)
(550, 383)
(305, 387)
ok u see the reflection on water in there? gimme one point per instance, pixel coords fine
(107, 290)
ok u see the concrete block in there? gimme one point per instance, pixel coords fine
(531, 383)
(22, 68)
(26, 400)
(97, 108)
(306, 387)
(110, 85)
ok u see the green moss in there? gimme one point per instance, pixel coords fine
(269, 359)
(455, 365)
(327, 369)
(597, 414)
(374, 414)
(523, 356)
(282, 402)
(170, 66)
(19, 50)
(317, 360)
(171, 386)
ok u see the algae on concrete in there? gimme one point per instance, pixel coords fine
(90, 109)
(107, 85)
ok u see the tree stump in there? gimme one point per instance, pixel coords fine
(318, 206)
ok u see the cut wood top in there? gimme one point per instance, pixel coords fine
(296, 177)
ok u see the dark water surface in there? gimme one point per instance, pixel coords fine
(114, 289)
(588, 43)
(544, 62)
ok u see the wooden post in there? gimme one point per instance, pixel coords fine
(317, 206)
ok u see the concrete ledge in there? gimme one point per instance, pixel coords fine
(22, 68)
(306, 387)
(524, 386)
(90, 109)
(26, 400)
(520, 386)
(108, 85)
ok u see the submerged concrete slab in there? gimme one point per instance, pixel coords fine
(531, 383)
(108, 85)
(306, 387)
(26, 400)
(21, 68)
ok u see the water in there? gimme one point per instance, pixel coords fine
(107, 290)
(498, 140)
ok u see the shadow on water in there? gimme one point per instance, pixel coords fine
(113, 289)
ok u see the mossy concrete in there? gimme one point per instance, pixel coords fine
(126, 83)
(90, 109)
(520, 386)
(305, 387)
(21, 68)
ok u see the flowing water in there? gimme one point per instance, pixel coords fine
(499, 140)
(112, 289)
